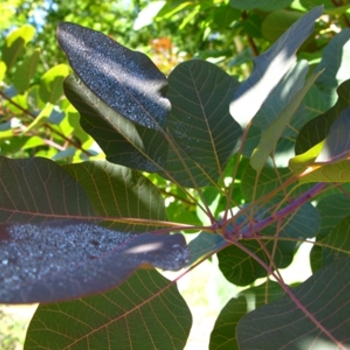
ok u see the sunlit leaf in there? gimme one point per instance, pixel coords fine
(15, 44)
(51, 84)
(126, 80)
(25, 72)
(272, 134)
(270, 68)
(122, 141)
(318, 317)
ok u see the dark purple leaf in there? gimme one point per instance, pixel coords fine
(126, 80)
(64, 260)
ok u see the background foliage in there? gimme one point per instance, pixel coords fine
(37, 120)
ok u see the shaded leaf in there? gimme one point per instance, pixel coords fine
(337, 243)
(284, 322)
(337, 143)
(15, 43)
(126, 80)
(200, 123)
(36, 190)
(318, 128)
(118, 192)
(51, 84)
(145, 312)
(26, 71)
(270, 68)
(64, 260)
(223, 336)
(333, 209)
(122, 141)
(265, 5)
(205, 244)
(277, 22)
(335, 62)
(271, 135)
(241, 269)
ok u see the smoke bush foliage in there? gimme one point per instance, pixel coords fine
(248, 171)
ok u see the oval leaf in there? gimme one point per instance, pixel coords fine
(64, 260)
(126, 80)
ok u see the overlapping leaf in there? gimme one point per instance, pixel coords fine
(200, 123)
(241, 269)
(143, 313)
(317, 318)
(223, 336)
(123, 142)
(265, 5)
(65, 260)
(118, 192)
(45, 258)
(275, 130)
(126, 80)
(270, 69)
(318, 128)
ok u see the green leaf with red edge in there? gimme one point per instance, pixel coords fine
(123, 142)
(223, 336)
(318, 317)
(145, 312)
(241, 269)
(45, 258)
(199, 122)
(128, 81)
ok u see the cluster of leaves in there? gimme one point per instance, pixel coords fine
(240, 163)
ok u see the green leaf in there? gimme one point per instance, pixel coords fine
(145, 312)
(46, 214)
(265, 5)
(337, 143)
(272, 134)
(267, 182)
(118, 192)
(337, 243)
(241, 269)
(122, 141)
(285, 322)
(200, 123)
(205, 244)
(335, 62)
(270, 68)
(35, 189)
(318, 128)
(277, 22)
(333, 209)
(26, 71)
(42, 118)
(146, 16)
(223, 336)
(2, 70)
(51, 84)
(126, 80)
(15, 44)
